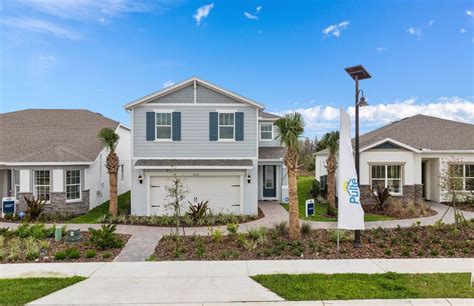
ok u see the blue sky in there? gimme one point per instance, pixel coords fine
(288, 55)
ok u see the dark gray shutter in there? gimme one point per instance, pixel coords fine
(213, 126)
(176, 125)
(239, 126)
(150, 126)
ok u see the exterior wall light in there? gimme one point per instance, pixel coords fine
(248, 179)
(140, 179)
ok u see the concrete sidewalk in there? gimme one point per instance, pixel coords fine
(203, 281)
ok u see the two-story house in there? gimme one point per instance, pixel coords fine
(221, 144)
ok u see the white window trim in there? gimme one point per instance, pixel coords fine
(171, 126)
(66, 184)
(219, 127)
(386, 179)
(15, 173)
(50, 184)
(272, 131)
(463, 177)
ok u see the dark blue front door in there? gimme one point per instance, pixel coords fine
(269, 181)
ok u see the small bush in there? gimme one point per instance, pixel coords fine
(198, 211)
(73, 253)
(34, 207)
(216, 235)
(232, 228)
(305, 228)
(31, 248)
(258, 234)
(105, 237)
(44, 244)
(451, 253)
(343, 235)
(106, 255)
(434, 252)
(91, 253)
(60, 255)
(388, 252)
(14, 249)
(281, 228)
(250, 245)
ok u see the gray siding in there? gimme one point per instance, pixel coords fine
(194, 134)
(268, 143)
(183, 95)
(206, 95)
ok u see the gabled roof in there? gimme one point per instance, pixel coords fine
(188, 82)
(51, 136)
(268, 116)
(421, 133)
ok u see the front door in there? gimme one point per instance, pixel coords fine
(269, 181)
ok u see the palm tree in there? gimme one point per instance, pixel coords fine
(290, 129)
(330, 141)
(109, 139)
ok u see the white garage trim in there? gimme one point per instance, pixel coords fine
(193, 167)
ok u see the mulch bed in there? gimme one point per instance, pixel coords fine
(466, 206)
(62, 245)
(413, 242)
(399, 214)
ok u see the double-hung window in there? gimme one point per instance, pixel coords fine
(73, 185)
(226, 126)
(461, 176)
(163, 126)
(387, 176)
(42, 183)
(266, 131)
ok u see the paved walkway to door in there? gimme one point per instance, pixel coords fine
(145, 238)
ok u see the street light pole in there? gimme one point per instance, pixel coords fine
(358, 73)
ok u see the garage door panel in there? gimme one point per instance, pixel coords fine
(222, 192)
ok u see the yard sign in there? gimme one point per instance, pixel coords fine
(8, 206)
(309, 207)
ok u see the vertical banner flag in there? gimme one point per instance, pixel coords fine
(350, 213)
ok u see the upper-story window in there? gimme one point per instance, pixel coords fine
(42, 183)
(163, 126)
(73, 185)
(266, 131)
(387, 176)
(461, 176)
(226, 126)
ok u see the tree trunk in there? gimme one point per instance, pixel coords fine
(113, 201)
(331, 167)
(294, 224)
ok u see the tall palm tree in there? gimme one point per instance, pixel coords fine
(109, 139)
(330, 141)
(290, 129)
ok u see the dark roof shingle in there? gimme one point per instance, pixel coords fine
(194, 162)
(271, 152)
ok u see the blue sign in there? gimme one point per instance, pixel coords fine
(309, 207)
(8, 206)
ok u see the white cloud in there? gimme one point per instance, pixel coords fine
(381, 49)
(88, 9)
(414, 31)
(202, 12)
(258, 9)
(336, 29)
(462, 30)
(39, 25)
(168, 83)
(469, 13)
(431, 22)
(250, 16)
(320, 119)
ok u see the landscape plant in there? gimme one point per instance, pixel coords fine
(34, 207)
(105, 237)
(452, 185)
(290, 129)
(176, 193)
(330, 141)
(109, 140)
(198, 211)
(380, 195)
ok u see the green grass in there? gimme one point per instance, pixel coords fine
(94, 214)
(305, 287)
(24, 290)
(304, 187)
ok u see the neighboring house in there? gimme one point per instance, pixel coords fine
(54, 154)
(410, 155)
(221, 144)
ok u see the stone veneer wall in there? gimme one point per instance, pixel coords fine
(411, 193)
(58, 204)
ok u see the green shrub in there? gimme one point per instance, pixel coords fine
(434, 252)
(465, 251)
(388, 252)
(91, 253)
(60, 255)
(106, 255)
(31, 248)
(105, 237)
(250, 245)
(315, 188)
(406, 252)
(258, 234)
(200, 248)
(216, 235)
(73, 253)
(14, 248)
(34, 207)
(343, 235)
(451, 253)
(198, 211)
(281, 228)
(232, 228)
(305, 228)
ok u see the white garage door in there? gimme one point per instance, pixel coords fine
(222, 192)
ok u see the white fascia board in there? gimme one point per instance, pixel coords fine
(190, 81)
(428, 151)
(268, 119)
(194, 167)
(194, 158)
(271, 160)
(393, 141)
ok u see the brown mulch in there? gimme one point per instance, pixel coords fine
(400, 213)
(466, 206)
(413, 242)
(55, 246)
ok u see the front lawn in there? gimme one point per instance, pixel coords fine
(24, 290)
(97, 213)
(305, 287)
(320, 213)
